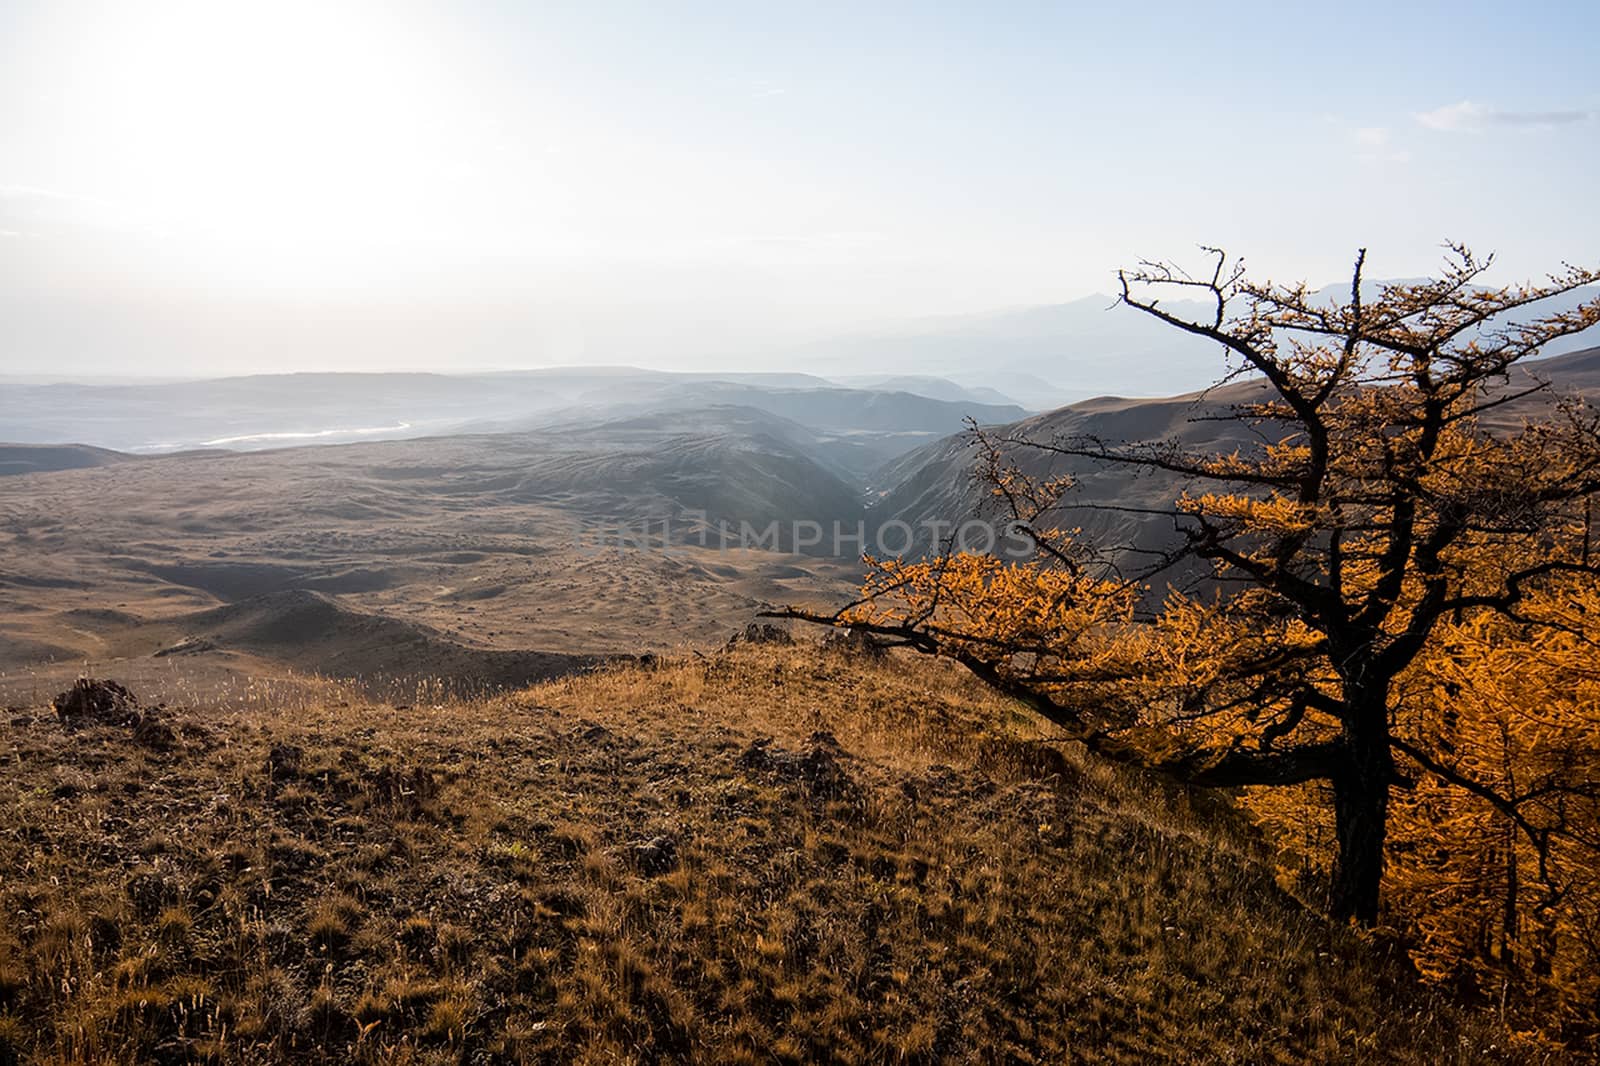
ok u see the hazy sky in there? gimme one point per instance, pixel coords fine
(215, 187)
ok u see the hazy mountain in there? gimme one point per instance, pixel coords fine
(268, 411)
(1042, 356)
(856, 409)
(31, 459)
(731, 465)
(1053, 355)
(935, 388)
(935, 484)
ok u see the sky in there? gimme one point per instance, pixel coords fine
(215, 187)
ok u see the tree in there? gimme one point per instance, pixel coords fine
(1506, 894)
(1377, 497)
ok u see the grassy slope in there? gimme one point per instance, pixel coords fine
(462, 883)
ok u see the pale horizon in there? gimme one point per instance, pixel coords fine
(192, 189)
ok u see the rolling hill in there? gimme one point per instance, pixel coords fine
(591, 537)
(934, 483)
(282, 410)
(493, 558)
(769, 854)
(42, 458)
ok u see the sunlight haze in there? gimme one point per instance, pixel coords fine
(206, 188)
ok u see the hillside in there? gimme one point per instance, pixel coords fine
(849, 455)
(935, 388)
(766, 855)
(934, 483)
(280, 410)
(857, 409)
(43, 458)
(487, 558)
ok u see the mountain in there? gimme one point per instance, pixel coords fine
(850, 431)
(731, 468)
(1043, 356)
(1057, 354)
(935, 388)
(934, 483)
(850, 455)
(855, 410)
(275, 411)
(258, 411)
(32, 459)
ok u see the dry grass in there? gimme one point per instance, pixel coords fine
(772, 855)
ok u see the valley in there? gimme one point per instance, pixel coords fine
(572, 517)
(486, 561)
(480, 561)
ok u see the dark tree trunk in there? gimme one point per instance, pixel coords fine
(1361, 814)
(1360, 817)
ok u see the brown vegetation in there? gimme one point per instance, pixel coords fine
(492, 561)
(776, 854)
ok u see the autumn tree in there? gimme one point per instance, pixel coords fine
(1401, 475)
(1499, 881)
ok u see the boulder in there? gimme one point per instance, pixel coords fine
(91, 702)
(819, 769)
(657, 856)
(853, 641)
(760, 633)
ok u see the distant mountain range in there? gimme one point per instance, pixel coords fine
(283, 410)
(599, 528)
(935, 388)
(934, 483)
(898, 387)
(1046, 357)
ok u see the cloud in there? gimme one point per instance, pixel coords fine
(1376, 144)
(1467, 116)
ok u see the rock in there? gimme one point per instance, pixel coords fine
(758, 756)
(657, 856)
(760, 633)
(819, 770)
(151, 732)
(403, 787)
(186, 646)
(149, 891)
(854, 641)
(593, 733)
(283, 760)
(90, 702)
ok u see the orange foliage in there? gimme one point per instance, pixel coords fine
(1401, 622)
